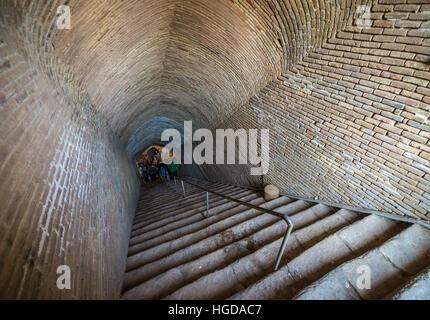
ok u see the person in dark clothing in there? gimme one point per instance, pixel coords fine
(153, 172)
(144, 174)
(146, 160)
(157, 156)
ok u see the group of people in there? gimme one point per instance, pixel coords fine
(154, 169)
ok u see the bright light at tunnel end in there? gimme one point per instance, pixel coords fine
(203, 152)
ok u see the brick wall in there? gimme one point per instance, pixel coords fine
(350, 121)
(67, 188)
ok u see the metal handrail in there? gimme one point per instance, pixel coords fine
(391, 216)
(285, 217)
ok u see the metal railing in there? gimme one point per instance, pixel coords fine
(387, 215)
(284, 217)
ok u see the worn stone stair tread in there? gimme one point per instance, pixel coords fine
(260, 263)
(241, 244)
(185, 210)
(333, 287)
(202, 239)
(389, 268)
(310, 265)
(188, 228)
(169, 207)
(175, 252)
(179, 221)
(417, 288)
(170, 221)
(161, 196)
(244, 267)
(166, 190)
(228, 218)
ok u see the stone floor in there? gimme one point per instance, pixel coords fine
(177, 253)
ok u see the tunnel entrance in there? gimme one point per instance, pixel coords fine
(148, 151)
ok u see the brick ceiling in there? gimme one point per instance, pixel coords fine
(137, 61)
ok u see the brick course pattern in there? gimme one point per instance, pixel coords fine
(350, 122)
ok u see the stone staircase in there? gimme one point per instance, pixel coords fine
(177, 253)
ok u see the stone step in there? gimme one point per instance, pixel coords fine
(187, 204)
(200, 230)
(417, 288)
(215, 214)
(322, 258)
(240, 215)
(156, 195)
(164, 192)
(259, 263)
(175, 252)
(173, 205)
(154, 211)
(209, 239)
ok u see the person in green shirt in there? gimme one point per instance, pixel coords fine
(173, 169)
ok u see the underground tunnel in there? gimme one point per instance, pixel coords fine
(88, 87)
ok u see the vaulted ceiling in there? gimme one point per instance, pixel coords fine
(147, 64)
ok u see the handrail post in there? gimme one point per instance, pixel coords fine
(284, 241)
(183, 188)
(207, 204)
(285, 217)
